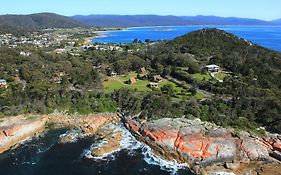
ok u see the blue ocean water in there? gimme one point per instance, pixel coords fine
(267, 36)
(45, 156)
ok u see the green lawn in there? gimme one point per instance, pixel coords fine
(200, 76)
(180, 91)
(199, 96)
(127, 76)
(176, 87)
(220, 75)
(116, 83)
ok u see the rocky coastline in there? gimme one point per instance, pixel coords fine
(14, 130)
(205, 148)
(209, 149)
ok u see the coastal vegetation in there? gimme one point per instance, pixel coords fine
(247, 98)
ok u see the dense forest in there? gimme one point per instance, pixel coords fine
(247, 99)
(4, 29)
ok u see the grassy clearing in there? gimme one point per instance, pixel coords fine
(177, 88)
(115, 83)
(199, 96)
(201, 77)
(220, 75)
(112, 84)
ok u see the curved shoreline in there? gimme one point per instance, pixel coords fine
(252, 36)
(90, 40)
(162, 136)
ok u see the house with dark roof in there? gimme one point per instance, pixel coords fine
(157, 78)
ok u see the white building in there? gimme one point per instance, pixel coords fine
(212, 68)
(3, 82)
(25, 53)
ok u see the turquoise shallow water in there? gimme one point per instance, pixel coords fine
(267, 36)
(45, 156)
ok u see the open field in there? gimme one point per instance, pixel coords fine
(220, 76)
(116, 83)
(201, 77)
(112, 84)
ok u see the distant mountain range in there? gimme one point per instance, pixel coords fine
(25, 23)
(155, 20)
(278, 21)
(36, 22)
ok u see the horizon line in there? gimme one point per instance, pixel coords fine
(139, 15)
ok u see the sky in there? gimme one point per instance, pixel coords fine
(260, 9)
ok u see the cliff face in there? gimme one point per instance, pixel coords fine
(14, 130)
(18, 130)
(205, 147)
(89, 123)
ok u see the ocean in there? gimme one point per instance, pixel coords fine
(267, 36)
(44, 155)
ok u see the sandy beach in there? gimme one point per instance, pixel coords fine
(89, 40)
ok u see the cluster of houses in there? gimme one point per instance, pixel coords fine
(47, 38)
(37, 39)
(144, 76)
(25, 54)
(103, 47)
(74, 51)
(156, 79)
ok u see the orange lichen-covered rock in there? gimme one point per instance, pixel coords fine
(196, 146)
(254, 150)
(18, 129)
(277, 146)
(267, 143)
(133, 125)
(2, 135)
(189, 139)
(160, 134)
(11, 131)
(200, 143)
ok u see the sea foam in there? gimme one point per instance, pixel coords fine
(131, 144)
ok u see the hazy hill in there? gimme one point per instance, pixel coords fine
(215, 20)
(38, 21)
(155, 20)
(127, 20)
(277, 21)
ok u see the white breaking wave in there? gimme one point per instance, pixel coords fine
(131, 144)
(167, 165)
(126, 143)
(72, 134)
